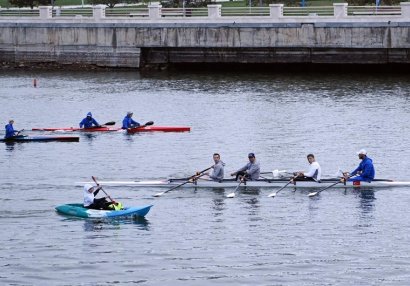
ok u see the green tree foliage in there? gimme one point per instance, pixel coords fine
(29, 3)
(187, 4)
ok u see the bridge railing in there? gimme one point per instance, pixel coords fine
(275, 12)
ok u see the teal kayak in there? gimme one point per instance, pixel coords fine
(80, 211)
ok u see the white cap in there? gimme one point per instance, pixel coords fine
(361, 152)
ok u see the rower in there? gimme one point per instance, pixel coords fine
(10, 132)
(128, 122)
(89, 121)
(314, 173)
(365, 171)
(217, 174)
(250, 171)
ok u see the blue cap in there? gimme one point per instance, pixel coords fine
(251, 155)
(89, 114)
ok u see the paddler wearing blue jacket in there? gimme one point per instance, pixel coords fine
(365, 170)
(128, 122)
(250, 171)
(89, 121)
(10, 132)
(218, 169)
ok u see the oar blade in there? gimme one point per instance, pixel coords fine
(158, 194)
(231, 195)
(272, 195)
(312, 194)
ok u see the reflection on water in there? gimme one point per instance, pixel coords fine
(92, 225)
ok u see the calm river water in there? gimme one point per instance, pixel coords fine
(200, 237)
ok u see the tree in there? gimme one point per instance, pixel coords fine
(29, 3)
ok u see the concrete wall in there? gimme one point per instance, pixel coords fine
(122, 44)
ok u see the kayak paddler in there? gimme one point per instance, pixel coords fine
(128, 122)
(365, 171)
(89, 121)
(10, 132)
(217, 173)
(314, 173)
(250, 171)
(90, 202)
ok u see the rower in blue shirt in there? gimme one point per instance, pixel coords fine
(10, 132)
(365, 171)
(128, 122)
(89, 121)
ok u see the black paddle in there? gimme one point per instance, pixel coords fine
(149, 123)
(272, 195)
(109, 123)
(342, 180)
(196, 176)
(95, 180)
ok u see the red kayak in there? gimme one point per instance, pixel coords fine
(111, 129)
(159, 128)
(94, 129)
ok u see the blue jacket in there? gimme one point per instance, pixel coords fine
(9, 131)
(88, 122)
(366, 168)
(128, 122)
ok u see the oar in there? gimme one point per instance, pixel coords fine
(95, 180)
(342, 180)
(232, 195)
(197, 175)
(272, 195)
(18, 132)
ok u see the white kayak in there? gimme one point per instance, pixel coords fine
(262, 183)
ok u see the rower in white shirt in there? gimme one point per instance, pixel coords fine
(314, 173)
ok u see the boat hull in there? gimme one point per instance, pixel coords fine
(159, 129)
(116, 129)
(79, 211)
(42, 139)
(259, 183)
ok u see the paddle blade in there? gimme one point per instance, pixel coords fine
(110, 123)
(158, 194)
(231, 195)
(149, 123)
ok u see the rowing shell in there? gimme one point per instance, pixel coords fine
(114, 129)
(263, 183)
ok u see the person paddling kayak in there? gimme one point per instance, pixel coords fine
(250, 171)
(218, 169)
(10, 132)
(128, 122)
(90, 202)
(89, 121)
(314, 173)
(365, 171)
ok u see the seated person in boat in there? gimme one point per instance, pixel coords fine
(217, 169)
(365, 171)
(89, 121)
(314, 173)
(128, 122)
(90, 202)
(10, 132)
(250, 171)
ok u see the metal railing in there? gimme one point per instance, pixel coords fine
(72, 12)
(245, 11)
(373, 10)
(126, 12)
(308, 11)
(16, 12)
(184, 12)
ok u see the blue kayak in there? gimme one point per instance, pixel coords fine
(44, 138)
(80, 211)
